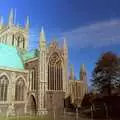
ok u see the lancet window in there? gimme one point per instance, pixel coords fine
(32, 79)
(3, 88)
(19, 90)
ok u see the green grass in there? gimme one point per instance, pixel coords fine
(26, 118)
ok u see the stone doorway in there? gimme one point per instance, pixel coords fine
(32, 108)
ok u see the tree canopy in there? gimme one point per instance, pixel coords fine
(106, 74)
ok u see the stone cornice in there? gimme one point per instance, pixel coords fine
(13, 69)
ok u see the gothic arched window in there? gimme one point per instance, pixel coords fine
(55, 76)
(19, 90)
(3, 88)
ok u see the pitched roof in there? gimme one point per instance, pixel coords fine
(10, 57)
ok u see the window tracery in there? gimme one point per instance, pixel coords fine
(55, 77)
(3, 87)
(19, 90)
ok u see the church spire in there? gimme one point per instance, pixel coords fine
(82, 72)
(11, 18)
(65, 48)
(42, 38)
(65, 44)
(1, 21)
(71, 72)
(27, 23)
(83, 68)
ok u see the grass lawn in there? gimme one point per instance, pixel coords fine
(25, 118)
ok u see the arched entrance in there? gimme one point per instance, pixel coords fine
(31, 105)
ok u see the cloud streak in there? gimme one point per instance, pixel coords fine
(33, 38)
(100, 34)
(94, 35)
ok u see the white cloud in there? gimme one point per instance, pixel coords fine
(95, 35)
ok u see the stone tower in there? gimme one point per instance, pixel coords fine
(65, 75)
(82, 72)
(83, 76)
(71, 72)
(14, 35)
(1, 21)
(42, 73)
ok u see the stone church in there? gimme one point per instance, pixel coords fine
(34, 82)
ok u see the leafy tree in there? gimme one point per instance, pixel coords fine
(106, 74)
(87, 100)
(68, 104)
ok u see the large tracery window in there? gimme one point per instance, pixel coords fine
(55, 77)
(19, 90)
(3, 88)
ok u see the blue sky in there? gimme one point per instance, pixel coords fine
(90, 26)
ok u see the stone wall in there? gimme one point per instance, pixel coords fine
(55, 102)
(9, 106)
(3, 108)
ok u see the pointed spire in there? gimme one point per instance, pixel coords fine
(65, 48)
(27, 23)
(42, 35)
(15, 16)
(82, 69)
(65, 44)
(82, 72)
(42, 38)
(42, 29)
(11, 18)
(71, 72)
(1, 21)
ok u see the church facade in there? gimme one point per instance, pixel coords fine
(33, 82)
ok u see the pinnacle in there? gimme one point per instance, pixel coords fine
(42, 35)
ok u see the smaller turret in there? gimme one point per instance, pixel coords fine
(27, 25)
(11, 18)
(65, 45)
(82, 72)
(42, 42)
(1, 21)
(71, 72)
